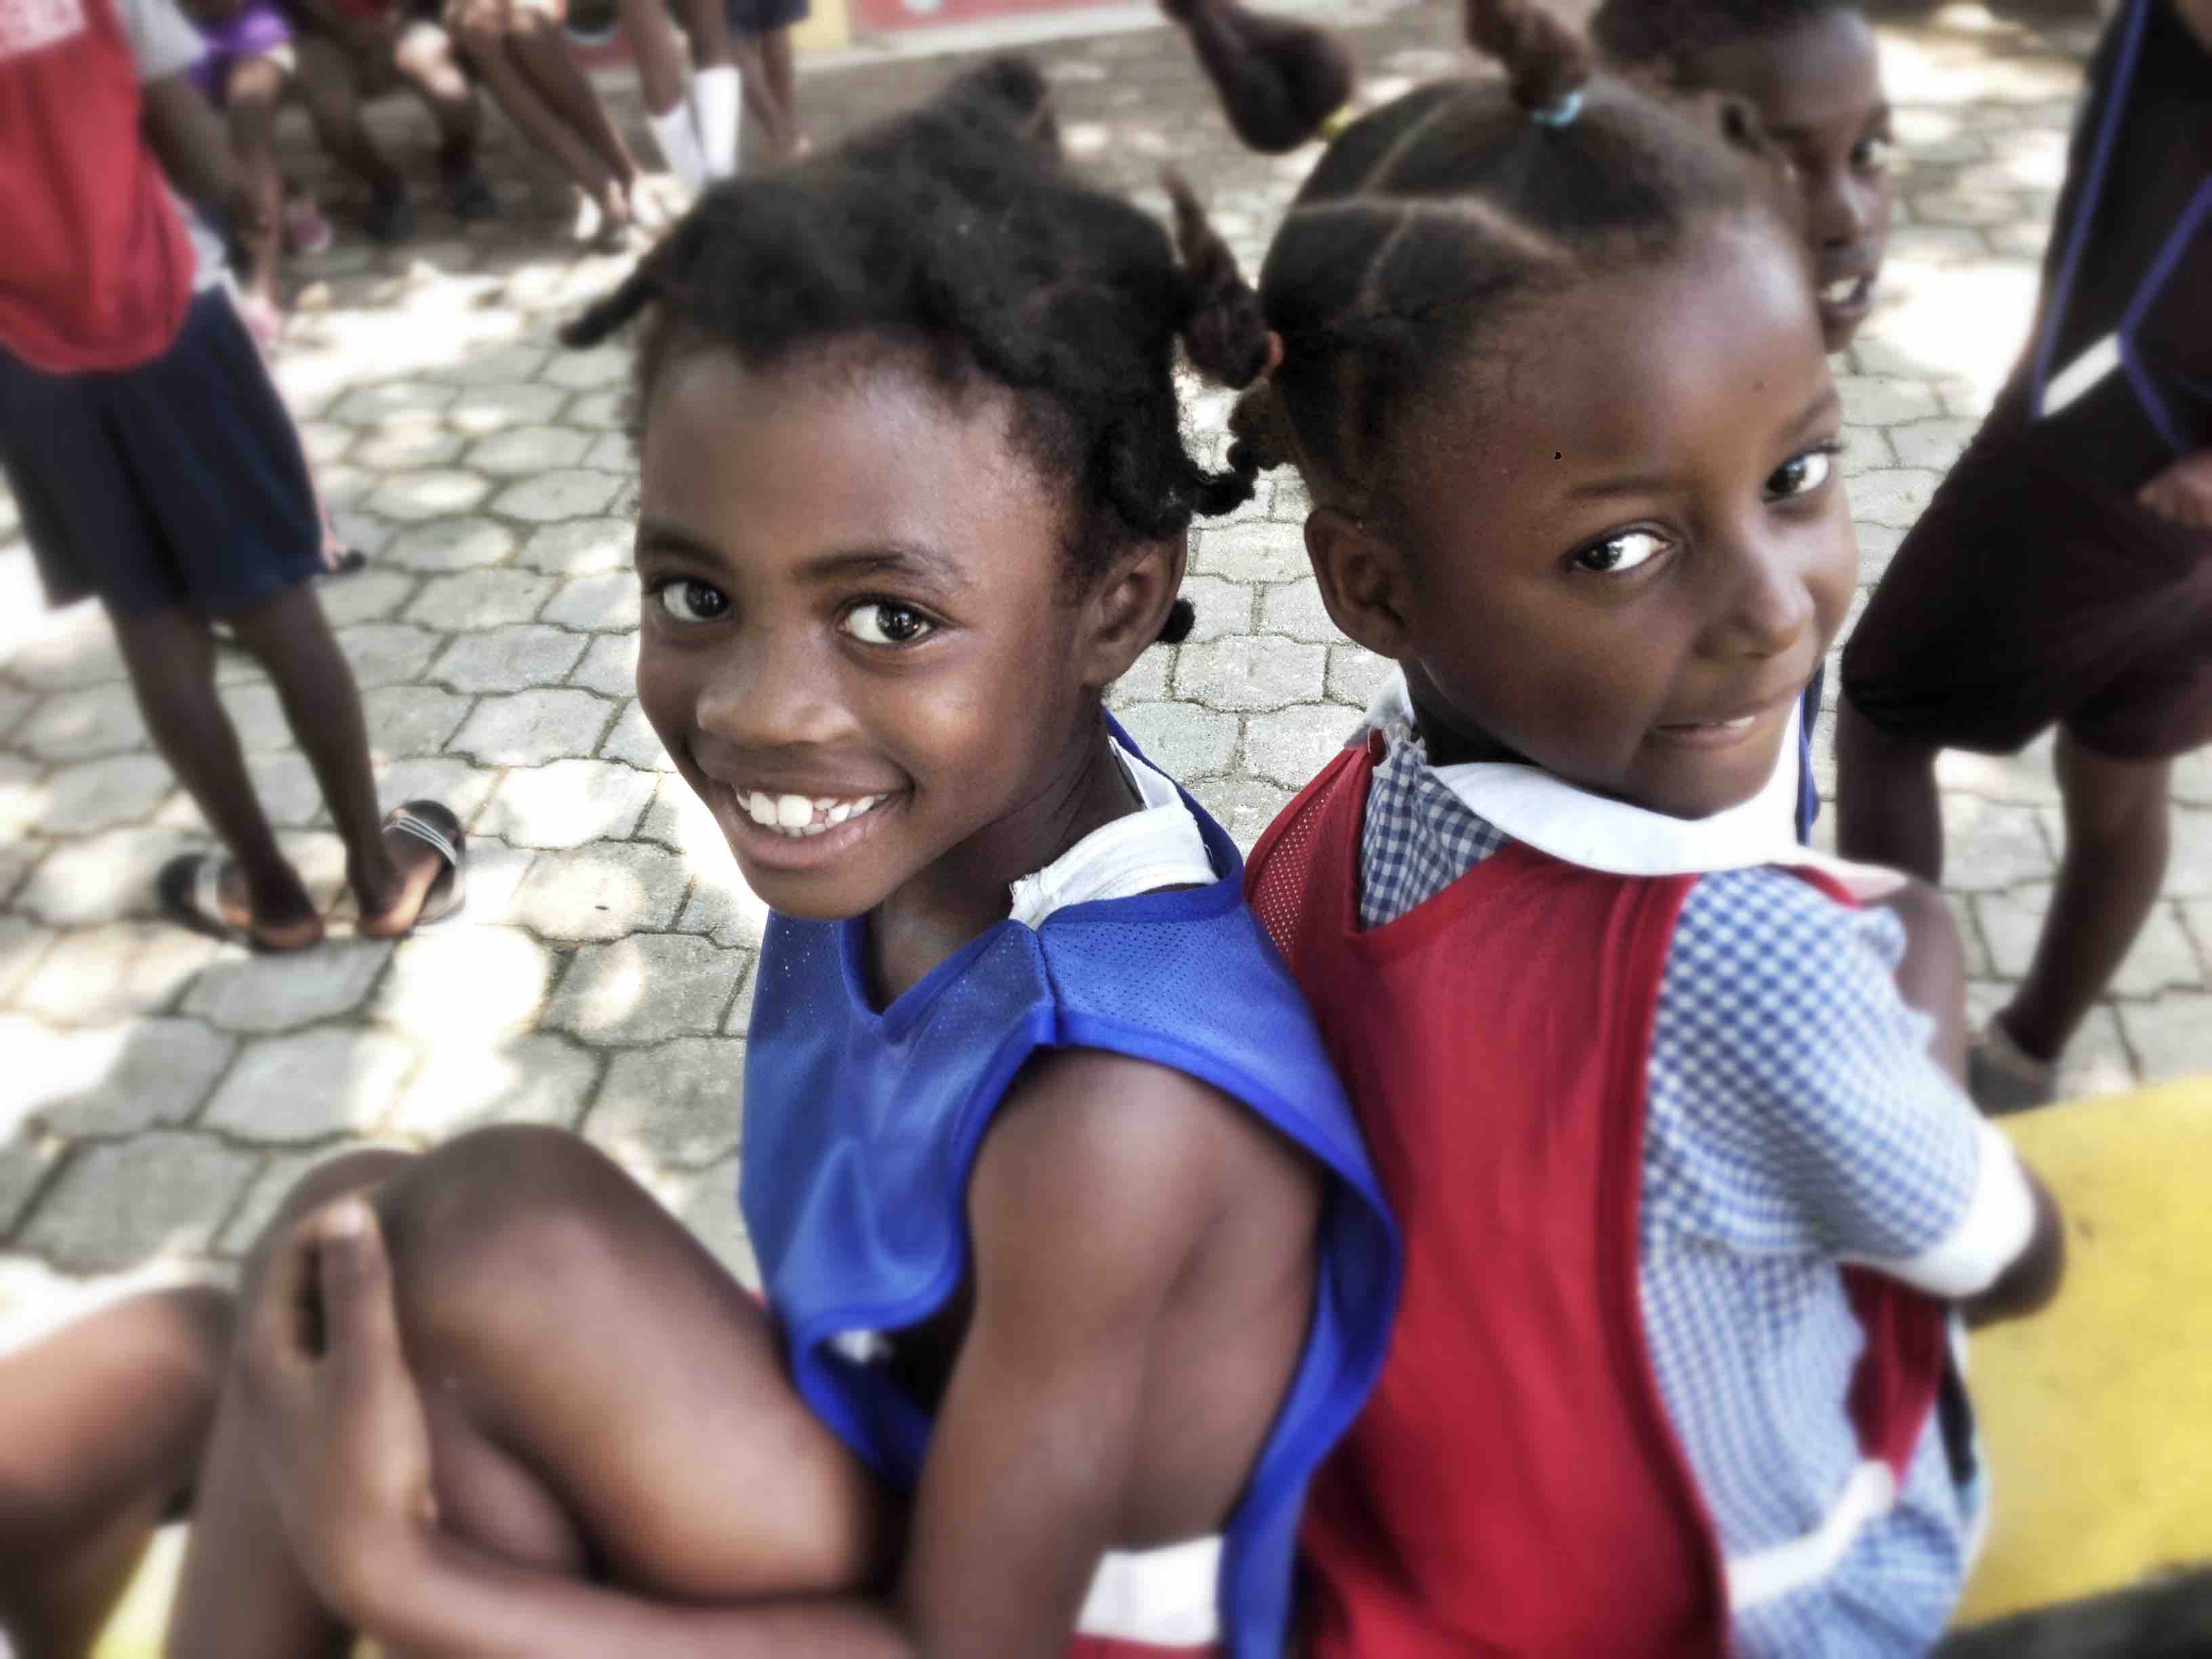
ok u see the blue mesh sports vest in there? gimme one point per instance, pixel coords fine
(860, 1129)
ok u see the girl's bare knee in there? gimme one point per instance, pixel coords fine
(494, 1233)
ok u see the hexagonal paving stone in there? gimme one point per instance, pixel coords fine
(1288, 746)
(569, 802)
(483, 409)
(99, 794)
(579, 547)
(407, 721)
(258, 993)
(453, 981)
(22, 943)
(532, 728)
(602, 366)
(388, 653)
(406, 446)
(646, 988)
(511, 658)
(524, 450)
(608, 666)
(1184, 741)
(310, 1084)
(2172, 1034)
(366, 596)
(101, 719)
(632, 741)
(100, 877)
(1244, 673)
(116, 970)
(1253, 553)
(451, 544)
(459, 785)
(1242, 806)
(678, 1105)
(603, 891)
(115, 1206)
(1895, 497)
(133, 1076)
(392, 402)
(466, 1084)
(428, 494)
(607, 604)
(479, 598)
(568, 494)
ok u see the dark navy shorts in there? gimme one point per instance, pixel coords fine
(760, 16)
(179, 483)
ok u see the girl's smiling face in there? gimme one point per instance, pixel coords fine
(1623, 553)
(861, 645)
(1817, 90)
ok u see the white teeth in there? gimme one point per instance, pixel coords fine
(1842, 290)
(796, 815)
(1739, 724)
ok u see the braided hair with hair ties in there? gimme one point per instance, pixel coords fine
(1279, 80)
(955, 232)
(1432, 224)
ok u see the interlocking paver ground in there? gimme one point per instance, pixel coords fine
(159, 1092)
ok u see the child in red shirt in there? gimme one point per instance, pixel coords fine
(154, 465)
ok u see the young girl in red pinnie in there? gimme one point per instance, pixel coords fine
(1671, 1118)
(1074, 1268)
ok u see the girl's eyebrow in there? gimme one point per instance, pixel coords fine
(1826, 403)
(910, 560)
(659, 536)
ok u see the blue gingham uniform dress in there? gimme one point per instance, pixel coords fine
(1794, 1116)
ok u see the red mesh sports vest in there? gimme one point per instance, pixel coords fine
(98, 275)
(1514, 1485)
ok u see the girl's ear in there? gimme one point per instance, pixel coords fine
(1129, 606)
(1364, 585)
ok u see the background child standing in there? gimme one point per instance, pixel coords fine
(156, 467)
(2061, 575)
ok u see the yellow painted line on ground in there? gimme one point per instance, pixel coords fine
(2096, 1416)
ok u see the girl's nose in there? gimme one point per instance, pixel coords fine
(769, 690)
(1843, 208)
(1769, 604)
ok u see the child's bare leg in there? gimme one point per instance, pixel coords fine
(170, 655)
(326, 87)
(780, 69)
(102, 1426)
(240, 1595)
(2116, 833)
(538, 39)
(649, 1394)
(390, 875)
(423, 56)
(257, 85)
(481, 26)
(1888, 810)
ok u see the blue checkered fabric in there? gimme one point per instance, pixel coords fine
(1794, 1117)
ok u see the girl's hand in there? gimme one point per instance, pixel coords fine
(2183, 493)
(345, 1444)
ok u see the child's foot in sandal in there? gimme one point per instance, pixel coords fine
(426, 853)
(207, 893)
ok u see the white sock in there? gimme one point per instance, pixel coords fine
(679, 138)
(718, 99)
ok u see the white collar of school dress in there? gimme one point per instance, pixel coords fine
(1599, 833)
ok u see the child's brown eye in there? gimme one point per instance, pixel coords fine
(1623, 552)
(1801, 475)
(1871, 155)
(691, 601)
(887, 624)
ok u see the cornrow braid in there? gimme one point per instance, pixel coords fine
(1432, 222)
(957, 231)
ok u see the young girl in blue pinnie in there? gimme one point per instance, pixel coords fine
(1074, 1266)
(1685, 1188)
